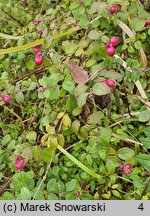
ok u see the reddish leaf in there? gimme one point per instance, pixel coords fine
(79, 76)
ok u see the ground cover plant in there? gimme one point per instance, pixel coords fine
(74, 100)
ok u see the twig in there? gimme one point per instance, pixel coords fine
(117, 101)
(29, 74)
(124, 179)
(44, 177)
(96, 73)
(21, 24)
(26, 76)
(17, 116)
(3, 188)
(126, 139)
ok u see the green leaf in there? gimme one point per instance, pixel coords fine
(138, 45)
(146, 142)
(52, 186)
(137, 24)
(54, 79)
(31, 135)
(116, 193)
(144, 116)
(105, 133)
(125, 153)
(94, 118)
(36, 151)
(74, 6)
(48, 42)
(19, 97)
(24, 195)
(70, 186)
(52, 197)
(111, 74)
(100, 89)
(76, 111)
(75, 126)
(81, 100)
(46, 154)
(54, 93)
(6, 139)
(94, 35)
(111, 164)
(8, 196)
(144, 160)
(147, 131)
(69, 47)
(137, 181)
(30, 64)
(68, 85)
(81, 88)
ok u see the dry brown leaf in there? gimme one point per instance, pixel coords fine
(126, 29)
(79, 76)
(143, 57)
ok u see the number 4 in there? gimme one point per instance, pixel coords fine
(141, 207)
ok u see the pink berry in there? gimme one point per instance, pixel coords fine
(121, 166)
(38, 59)
(147, 23)
(108, 45)
(113, 9)
(77, 193)
(19, 164)
(110, 51)
(40, 32)
(36, 49)
(114, 41)
(40, 89)
(127, 171)
(6, 98)
(104, 81)
(36, 22)
(110, 83)
(128, 166)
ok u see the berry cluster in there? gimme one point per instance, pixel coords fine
(19, 164)
(126, 168)
(110, 50)
(38, 55)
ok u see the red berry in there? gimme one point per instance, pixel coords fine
(38, 59)
(6, 98)
(36, 22)
(127, 171)
(110, 83)
(104, 81)
(77, 193)
(40, 32)
(36, 49)
(40, 89)
(108, 45)
(147, 23)
(121, 166)
(19, 164)
(114, 41)
(110, 51)
(113, 9)
(128, 166)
